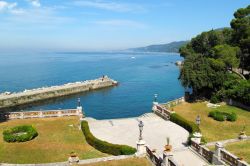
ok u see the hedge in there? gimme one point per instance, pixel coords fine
(222, 116)
(104, 146)
(20, 134)
(191, 127)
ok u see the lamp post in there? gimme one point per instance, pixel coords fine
(78, 102)
(141, 148)
(155, 99)
(197, 135)
(198, 120)
(140, 129)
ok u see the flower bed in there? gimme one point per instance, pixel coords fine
(20, 134)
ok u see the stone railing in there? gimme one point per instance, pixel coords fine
(162, 111)
(155, 160)
(203, 151)
(41, 114)
(220, 156)
(171, 162)
(158, 161)
(231, 159)
(174, 102)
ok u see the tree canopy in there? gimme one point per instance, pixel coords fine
(211, 56)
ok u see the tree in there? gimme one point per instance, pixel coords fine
(203, 75)
(241, 34)
(227, 54)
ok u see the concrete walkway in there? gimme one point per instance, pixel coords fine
(155, 132)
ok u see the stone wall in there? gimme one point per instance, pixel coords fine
(29, 96)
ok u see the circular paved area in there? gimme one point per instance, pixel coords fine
(126, 131)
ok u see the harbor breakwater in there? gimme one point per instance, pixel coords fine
(28, 96)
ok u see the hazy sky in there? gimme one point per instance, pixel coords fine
(107, 24)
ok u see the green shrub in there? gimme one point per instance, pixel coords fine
(104, 146)
(222, 116)
(191, 127)
(20, 134)
(214, 99)
(232, 117)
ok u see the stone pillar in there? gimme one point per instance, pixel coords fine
(217, 154)
(141, 148)
(41, 114)
(59, 113)
(22, 115)
(197, 137)
(154, 106)
(166, 156)
(218, 148)
(81, 116)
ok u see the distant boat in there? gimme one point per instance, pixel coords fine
(132, 57)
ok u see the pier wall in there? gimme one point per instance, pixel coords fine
(29, 96)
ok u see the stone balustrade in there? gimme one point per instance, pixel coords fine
(41, 114)
(174, 102)
(158, 161)
(162, 111)
(220, 156)
(231, 159)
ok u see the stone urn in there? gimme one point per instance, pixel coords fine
(73, 158)
(168, 147)
(242, 135)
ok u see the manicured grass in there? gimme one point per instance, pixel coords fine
(125, 162)
(211, 129)
(240, 149)
(57, 138)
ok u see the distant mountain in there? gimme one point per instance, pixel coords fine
(170, 47)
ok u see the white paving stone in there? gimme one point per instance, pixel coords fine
(156, 130)
(125, 131)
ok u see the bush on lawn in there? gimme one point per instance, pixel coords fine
(222, 116)
(104, 146)
(20, 134)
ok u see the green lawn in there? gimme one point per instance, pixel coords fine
(125, 162)
(211, 129)
(57, 138)
(240, 149)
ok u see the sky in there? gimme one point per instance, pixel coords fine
(86, 25)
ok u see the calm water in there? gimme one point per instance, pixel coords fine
(140, 78)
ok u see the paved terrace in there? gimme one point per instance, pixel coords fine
(155, 132)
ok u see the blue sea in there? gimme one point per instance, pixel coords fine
(140, 76)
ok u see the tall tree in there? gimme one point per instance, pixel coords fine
(241, 34)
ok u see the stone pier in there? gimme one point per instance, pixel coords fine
(8, 99)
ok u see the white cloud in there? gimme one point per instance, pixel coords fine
(35, 3)
(7, 6)
(120, 22)
(113, 6)
(10, 8)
